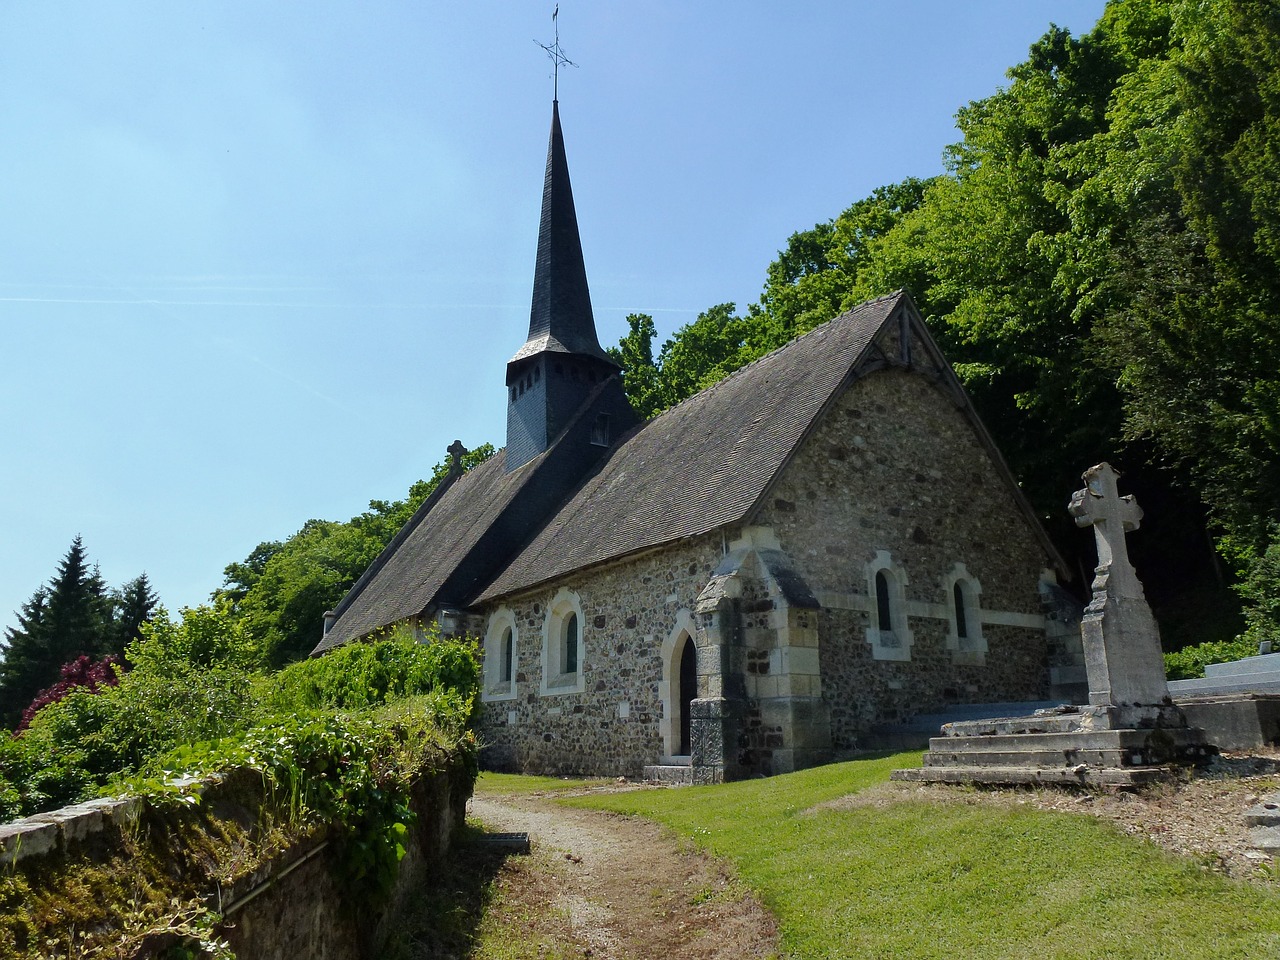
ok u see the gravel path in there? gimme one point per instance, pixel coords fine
(623, 888)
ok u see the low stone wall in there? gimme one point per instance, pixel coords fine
(131, 878)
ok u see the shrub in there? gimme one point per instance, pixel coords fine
(1189, 662)
(1260, 590)
(363, 675)
(192, 684)
(80, 673)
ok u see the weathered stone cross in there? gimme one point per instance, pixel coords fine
(456, 452)
(1121, 640)
(1112, 516)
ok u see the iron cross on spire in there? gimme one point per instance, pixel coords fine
(556, 54)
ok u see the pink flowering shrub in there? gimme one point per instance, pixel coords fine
(82, 672)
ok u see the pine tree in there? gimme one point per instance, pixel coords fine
(69, 618)
(77, 609)
(25, 658)
(134, 604)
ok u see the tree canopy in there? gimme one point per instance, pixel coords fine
(279, 593)
(1101, 264)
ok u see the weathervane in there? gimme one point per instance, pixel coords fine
(556, 54)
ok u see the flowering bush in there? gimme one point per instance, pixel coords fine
(80, 673)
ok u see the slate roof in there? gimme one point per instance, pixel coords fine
(704, 463)
(409, 573)
(560, 319)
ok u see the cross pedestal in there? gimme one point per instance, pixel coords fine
(1130, 732)
(1122, 651)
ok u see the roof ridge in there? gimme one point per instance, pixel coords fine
(897, 294)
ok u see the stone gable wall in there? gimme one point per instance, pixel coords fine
(896, 466)
(613, 727)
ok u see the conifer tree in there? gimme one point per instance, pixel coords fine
(70, 617)
(24, 658)
(134, 604)
(77, 610)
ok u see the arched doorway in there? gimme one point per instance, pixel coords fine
(687, 691)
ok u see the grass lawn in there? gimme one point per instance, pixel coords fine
(915, 879)
(513, 784)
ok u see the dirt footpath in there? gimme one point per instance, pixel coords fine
(622, 888)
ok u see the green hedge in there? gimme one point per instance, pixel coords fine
(1189, 662)
(194, 683)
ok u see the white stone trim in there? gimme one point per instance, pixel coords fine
(669, 725)
(970, 649)
(554, 678)
(893, 644)
(495, 689)
(832, 600)
(1007, 618)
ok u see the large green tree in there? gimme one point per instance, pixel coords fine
(1099, 264)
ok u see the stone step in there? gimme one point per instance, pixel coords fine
(1264, 814)
(1266, 839)
(1109, 748)
(1059, 742)
(1073, 719)
(1037, 758)
(1081, 775)
(669, 773)
(1013, 726)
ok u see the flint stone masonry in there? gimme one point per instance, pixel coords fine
(895, 455)
(779, 610)
(641, 603)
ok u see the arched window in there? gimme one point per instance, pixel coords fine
(571, 643)
(962, 622)
(888, 629)
(505, 648)
(884, 613)
(964, 633)
(501, 656)
(563, 645)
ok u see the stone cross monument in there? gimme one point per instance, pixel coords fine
(1122, 651)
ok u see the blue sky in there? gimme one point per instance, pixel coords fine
(264, 262)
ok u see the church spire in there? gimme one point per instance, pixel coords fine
(561, 365)
(560, 320)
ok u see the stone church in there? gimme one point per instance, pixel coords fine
(748, 583)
